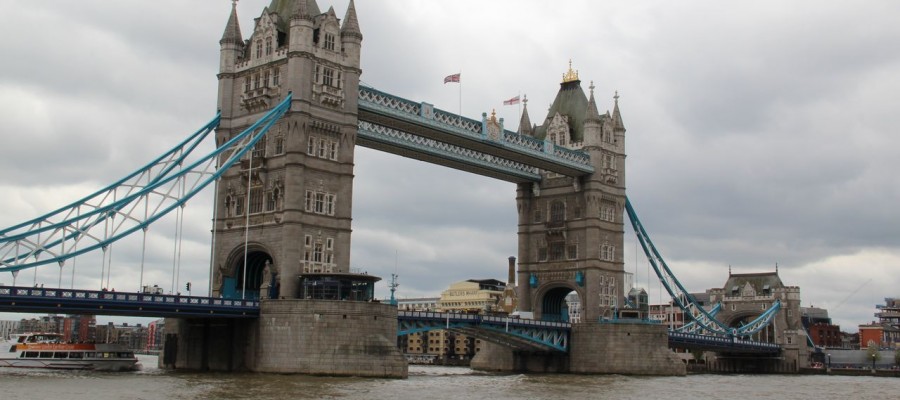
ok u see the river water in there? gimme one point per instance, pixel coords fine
(430, 382)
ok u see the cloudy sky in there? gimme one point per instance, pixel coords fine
(758, 132)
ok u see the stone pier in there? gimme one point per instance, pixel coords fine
(318, 337)
(623, 348)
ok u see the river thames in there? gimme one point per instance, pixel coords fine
(430, 382)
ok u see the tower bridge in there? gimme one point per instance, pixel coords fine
(292, 111)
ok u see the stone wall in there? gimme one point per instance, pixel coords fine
(328, 338)
(499, 358)
(206, 344)
(622, 348)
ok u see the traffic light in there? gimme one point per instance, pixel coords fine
(187, 286)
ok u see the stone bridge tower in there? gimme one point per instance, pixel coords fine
(286, 208)
(570, 228)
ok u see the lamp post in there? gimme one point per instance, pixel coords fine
(829, 360)
(873, 361)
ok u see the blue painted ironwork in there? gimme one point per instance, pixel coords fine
(693, 326)
(130, 204)
(379, 133)
(458, 129)
(68, 301)
(684, 299)
(543, 334)
(684, 340)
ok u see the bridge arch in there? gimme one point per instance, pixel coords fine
(741, 318)
(260, 277)
(552, 304)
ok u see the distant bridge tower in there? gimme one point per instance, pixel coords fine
(745, 297)
(287, 208)
(570, 228)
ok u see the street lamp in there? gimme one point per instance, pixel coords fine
(829, 360)
(873, 360)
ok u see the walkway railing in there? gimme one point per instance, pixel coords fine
(69, 301)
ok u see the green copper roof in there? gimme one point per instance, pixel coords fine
(571, 102)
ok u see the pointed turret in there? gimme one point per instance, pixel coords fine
(617, 117)
(593, 123)
(525, 127)
(350, 27)
(591, 114)
(232, 33)
(351, 36)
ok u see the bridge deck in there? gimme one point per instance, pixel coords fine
(68, 301)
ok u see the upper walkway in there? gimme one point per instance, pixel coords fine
(420, 131)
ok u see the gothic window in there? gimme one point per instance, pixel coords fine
(239, 205)
(537, 215)
(322, 147)
(607, 212)
(268, 45)
(557, 212)
(307, 240)
(276, 73)
(258, 48)
(573, 251)
(246, 84)
(332, 154)
(270, 201)
(609, 161)
(329, 244)
(329, 41)
(562, 139)
(279, 145)
(256, 200)
(311, 146)
(328, 77)
(542, 254)
(317, 252)
(256, 81)
(607, 252)
(266, 79)
(320, 202)
(557, 251)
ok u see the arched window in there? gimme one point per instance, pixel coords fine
(268, 46)
(258, 48)
(557, 212)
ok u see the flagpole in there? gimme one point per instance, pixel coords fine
(460, 95)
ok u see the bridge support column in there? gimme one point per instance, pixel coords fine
(499, 358)
(328, 337)
(622, 348)
(206, 344)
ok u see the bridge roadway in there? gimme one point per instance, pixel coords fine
(523, 334)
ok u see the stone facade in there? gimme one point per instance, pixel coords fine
(623, 348)
(296, 186)
(328, 338)
(571, 230)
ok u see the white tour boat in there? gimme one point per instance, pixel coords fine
(47, 350)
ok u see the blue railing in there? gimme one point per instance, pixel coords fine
(101, 302)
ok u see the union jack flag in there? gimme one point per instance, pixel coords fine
(451, 78)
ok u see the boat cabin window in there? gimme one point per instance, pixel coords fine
(46, 354)
(76, 354)
(125, 355)
(12, 349)
(30, 354)
(89, 355)
(60, 354)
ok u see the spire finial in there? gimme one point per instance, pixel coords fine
(234, 3)
(616, 97)
(592, 88)
(525, 99)
(570, 75)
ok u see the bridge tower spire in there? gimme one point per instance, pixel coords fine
(571, 230)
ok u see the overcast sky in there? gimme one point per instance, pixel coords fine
(759, 132)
